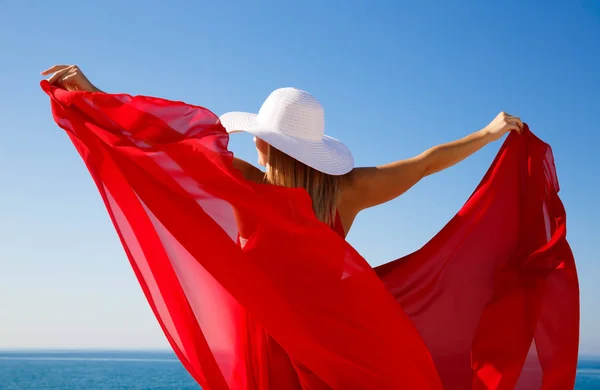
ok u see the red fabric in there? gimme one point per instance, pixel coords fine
(296, 307)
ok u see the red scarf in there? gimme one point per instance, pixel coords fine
(491, 302)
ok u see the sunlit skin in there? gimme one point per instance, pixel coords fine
(364, 187)
(261, 150)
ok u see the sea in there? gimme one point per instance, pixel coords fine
(91, 370)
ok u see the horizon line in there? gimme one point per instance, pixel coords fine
(151, 349)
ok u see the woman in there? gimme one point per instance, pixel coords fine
(254, 290)
(301, 161)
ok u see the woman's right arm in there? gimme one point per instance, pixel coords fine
(371, 186)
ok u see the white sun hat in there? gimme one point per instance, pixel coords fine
(293, 121)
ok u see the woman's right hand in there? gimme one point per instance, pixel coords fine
(502, 124)
(69, 77)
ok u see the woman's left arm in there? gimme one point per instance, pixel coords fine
(371, 186)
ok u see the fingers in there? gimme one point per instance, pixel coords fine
(69, 82)
(518, 125)
(512, 126)
(69, 76)
(58, 75)
(53, 69)
(515, 121)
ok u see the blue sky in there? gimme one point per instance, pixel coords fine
(395, 78)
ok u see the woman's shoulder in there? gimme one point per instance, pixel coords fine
(348, 205)
(351, 188)
(249, 171)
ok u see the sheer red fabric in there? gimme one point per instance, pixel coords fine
(491, 302)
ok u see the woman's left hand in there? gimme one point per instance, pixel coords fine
(69, 77)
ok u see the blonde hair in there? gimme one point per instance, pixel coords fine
(324, 189)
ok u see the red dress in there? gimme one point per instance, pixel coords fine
(490, 302)
(269, 366)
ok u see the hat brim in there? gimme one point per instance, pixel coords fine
(327, 155)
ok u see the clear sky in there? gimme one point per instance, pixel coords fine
(395, 78)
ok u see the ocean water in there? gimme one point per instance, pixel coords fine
(24, 370)
(92, 370)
